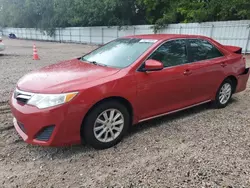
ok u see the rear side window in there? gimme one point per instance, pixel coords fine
(199, 49)
(171, 53)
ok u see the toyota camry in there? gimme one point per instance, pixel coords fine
(95, 98)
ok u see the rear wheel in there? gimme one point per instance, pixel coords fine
(224, 94)
(106, 125)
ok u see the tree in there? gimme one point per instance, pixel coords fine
(49, 14)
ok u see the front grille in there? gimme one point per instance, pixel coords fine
(45, 133)
(22, 96)
(21, 126)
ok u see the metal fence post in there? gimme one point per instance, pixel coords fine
(90, 33)
(248, 38)
(70, 39)
(31, 34)
(60, 35)
(134, 30)
(180, 29)
(102, 35)
(26, 33)
(80, 37)
(211, 31)
(36, 35)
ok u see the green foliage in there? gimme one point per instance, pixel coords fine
(163, 12)
(49, 14)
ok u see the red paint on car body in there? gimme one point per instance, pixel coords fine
(149, 94)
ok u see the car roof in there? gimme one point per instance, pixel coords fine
(165, 36)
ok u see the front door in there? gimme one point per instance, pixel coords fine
(166, 90)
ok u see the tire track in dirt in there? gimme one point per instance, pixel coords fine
(4, 107)
(6, 128)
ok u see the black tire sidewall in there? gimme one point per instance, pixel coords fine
(88, 125)
(217, 100)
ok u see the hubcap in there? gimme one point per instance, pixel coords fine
(225, 93)
(108, 125)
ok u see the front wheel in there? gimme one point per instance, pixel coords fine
(106, 125)
(224, 94)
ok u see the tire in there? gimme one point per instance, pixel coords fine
(95, 120)
(219, 102)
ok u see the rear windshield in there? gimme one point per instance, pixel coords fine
(119, 53)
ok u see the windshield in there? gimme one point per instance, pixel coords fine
(119, 53)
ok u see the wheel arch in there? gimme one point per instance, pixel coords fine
(234, 80)
(122, 100)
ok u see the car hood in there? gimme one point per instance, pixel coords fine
(63, 77)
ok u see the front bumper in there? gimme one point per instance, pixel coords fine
(242, 81)
(30, 122)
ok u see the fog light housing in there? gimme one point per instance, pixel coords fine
(45, 133)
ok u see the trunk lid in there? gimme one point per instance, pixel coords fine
(234, 49)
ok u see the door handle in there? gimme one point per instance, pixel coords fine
(187, 72)
(223, 64)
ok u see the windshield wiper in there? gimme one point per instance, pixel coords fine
(93, 62)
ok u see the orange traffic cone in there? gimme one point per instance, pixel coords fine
(35, 55)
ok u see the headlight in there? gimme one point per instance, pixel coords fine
(48, 100)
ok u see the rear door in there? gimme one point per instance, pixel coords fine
(207, 69)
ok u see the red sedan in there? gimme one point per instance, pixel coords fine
(95, 98)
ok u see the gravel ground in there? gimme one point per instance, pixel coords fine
(199, 147)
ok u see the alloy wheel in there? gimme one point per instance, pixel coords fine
(225, 93)
(108, 125)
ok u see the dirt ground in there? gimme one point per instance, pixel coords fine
(199, 147)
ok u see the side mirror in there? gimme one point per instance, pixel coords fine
(153, 65)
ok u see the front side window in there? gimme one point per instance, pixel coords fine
(199, 50)
(171, 53)
(119, 53)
